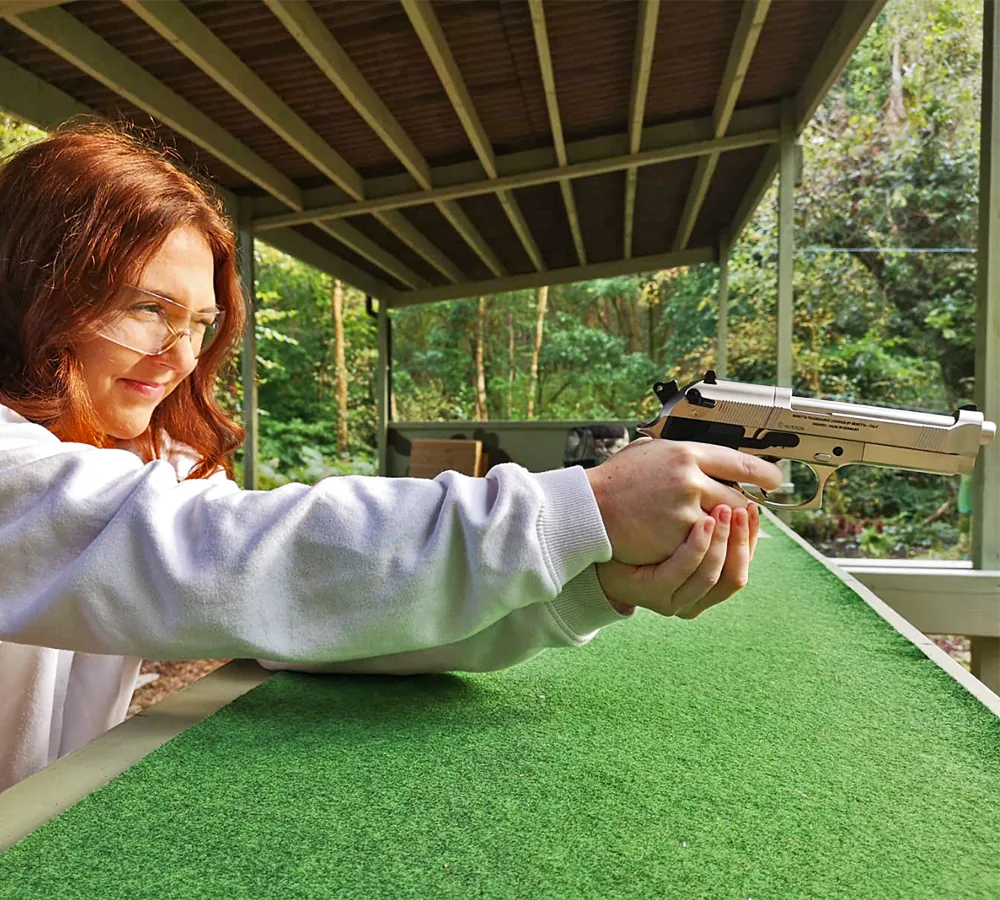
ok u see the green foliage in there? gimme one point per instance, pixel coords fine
(14, 134)
(890, 164)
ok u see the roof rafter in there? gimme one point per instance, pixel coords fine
(555, 121)
(740, 53)
(654, 137)
(555, 276)
(840, 45)
(315, 38)
(33, 100)
(586, 169)
(642, 64)
(174, 22)
(428, 29)
(58, 31)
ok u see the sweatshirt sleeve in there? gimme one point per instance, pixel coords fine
(105, 554)
(571, 620)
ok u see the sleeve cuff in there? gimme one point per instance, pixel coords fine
(582, 608)
(570, 525)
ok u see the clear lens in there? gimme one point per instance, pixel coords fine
(152, 324)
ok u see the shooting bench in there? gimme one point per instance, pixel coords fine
(800, 741)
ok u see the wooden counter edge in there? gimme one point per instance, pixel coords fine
(31, 803)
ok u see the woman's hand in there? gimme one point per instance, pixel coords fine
(654, 492)
(710, 566)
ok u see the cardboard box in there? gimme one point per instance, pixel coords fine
(429, 458)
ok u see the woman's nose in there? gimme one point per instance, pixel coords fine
(180, 355)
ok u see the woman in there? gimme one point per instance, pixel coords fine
(122, 536)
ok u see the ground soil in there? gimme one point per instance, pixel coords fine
(173, 676)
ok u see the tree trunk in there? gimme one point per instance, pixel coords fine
(895, 112)
(337, 309)
(482, 414)
(543, 300)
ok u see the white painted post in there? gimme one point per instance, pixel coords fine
(986, 515)
(382, 389)
(786, 245)
(722, 346)
(249, 367)
(786, 262)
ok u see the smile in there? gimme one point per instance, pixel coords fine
(147, 389)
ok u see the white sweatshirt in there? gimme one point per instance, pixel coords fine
(105, 559)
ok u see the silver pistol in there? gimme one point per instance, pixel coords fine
(825, 435)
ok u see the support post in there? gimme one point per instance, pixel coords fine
(786, 245)
(722, 344)
(382, 389)
(986, 513)
(249, 369)
(786, 262)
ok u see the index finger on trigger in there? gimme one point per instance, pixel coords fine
(732, 465)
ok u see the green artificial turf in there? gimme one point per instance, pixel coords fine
(787, 745)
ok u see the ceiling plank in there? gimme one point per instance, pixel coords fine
(642, 64)
(555, 121)
(748, 30)
(555, 276)
(315, 38)
(425, 23)
(332, 60)
(654, 137)
(58, 31)
(185, 31)
(507, 183)
(191, 37)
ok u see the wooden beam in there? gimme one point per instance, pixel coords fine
(936, 600)
(332, 60)
(555, 121)
(25, 96)
(740, 53)
(59, 32)
(507, 183)
(843, 40)
(653, 263)
(425, 23)
(185, 31)
(19, 7)
(642, 64)
(172, 21)
(289, 241)
(681, 131)
(459, 220)
(838, 48)
(33, 100)
(365, 247)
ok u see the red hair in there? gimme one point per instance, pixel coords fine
(84, 211)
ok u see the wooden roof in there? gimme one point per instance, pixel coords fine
(429, 149)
